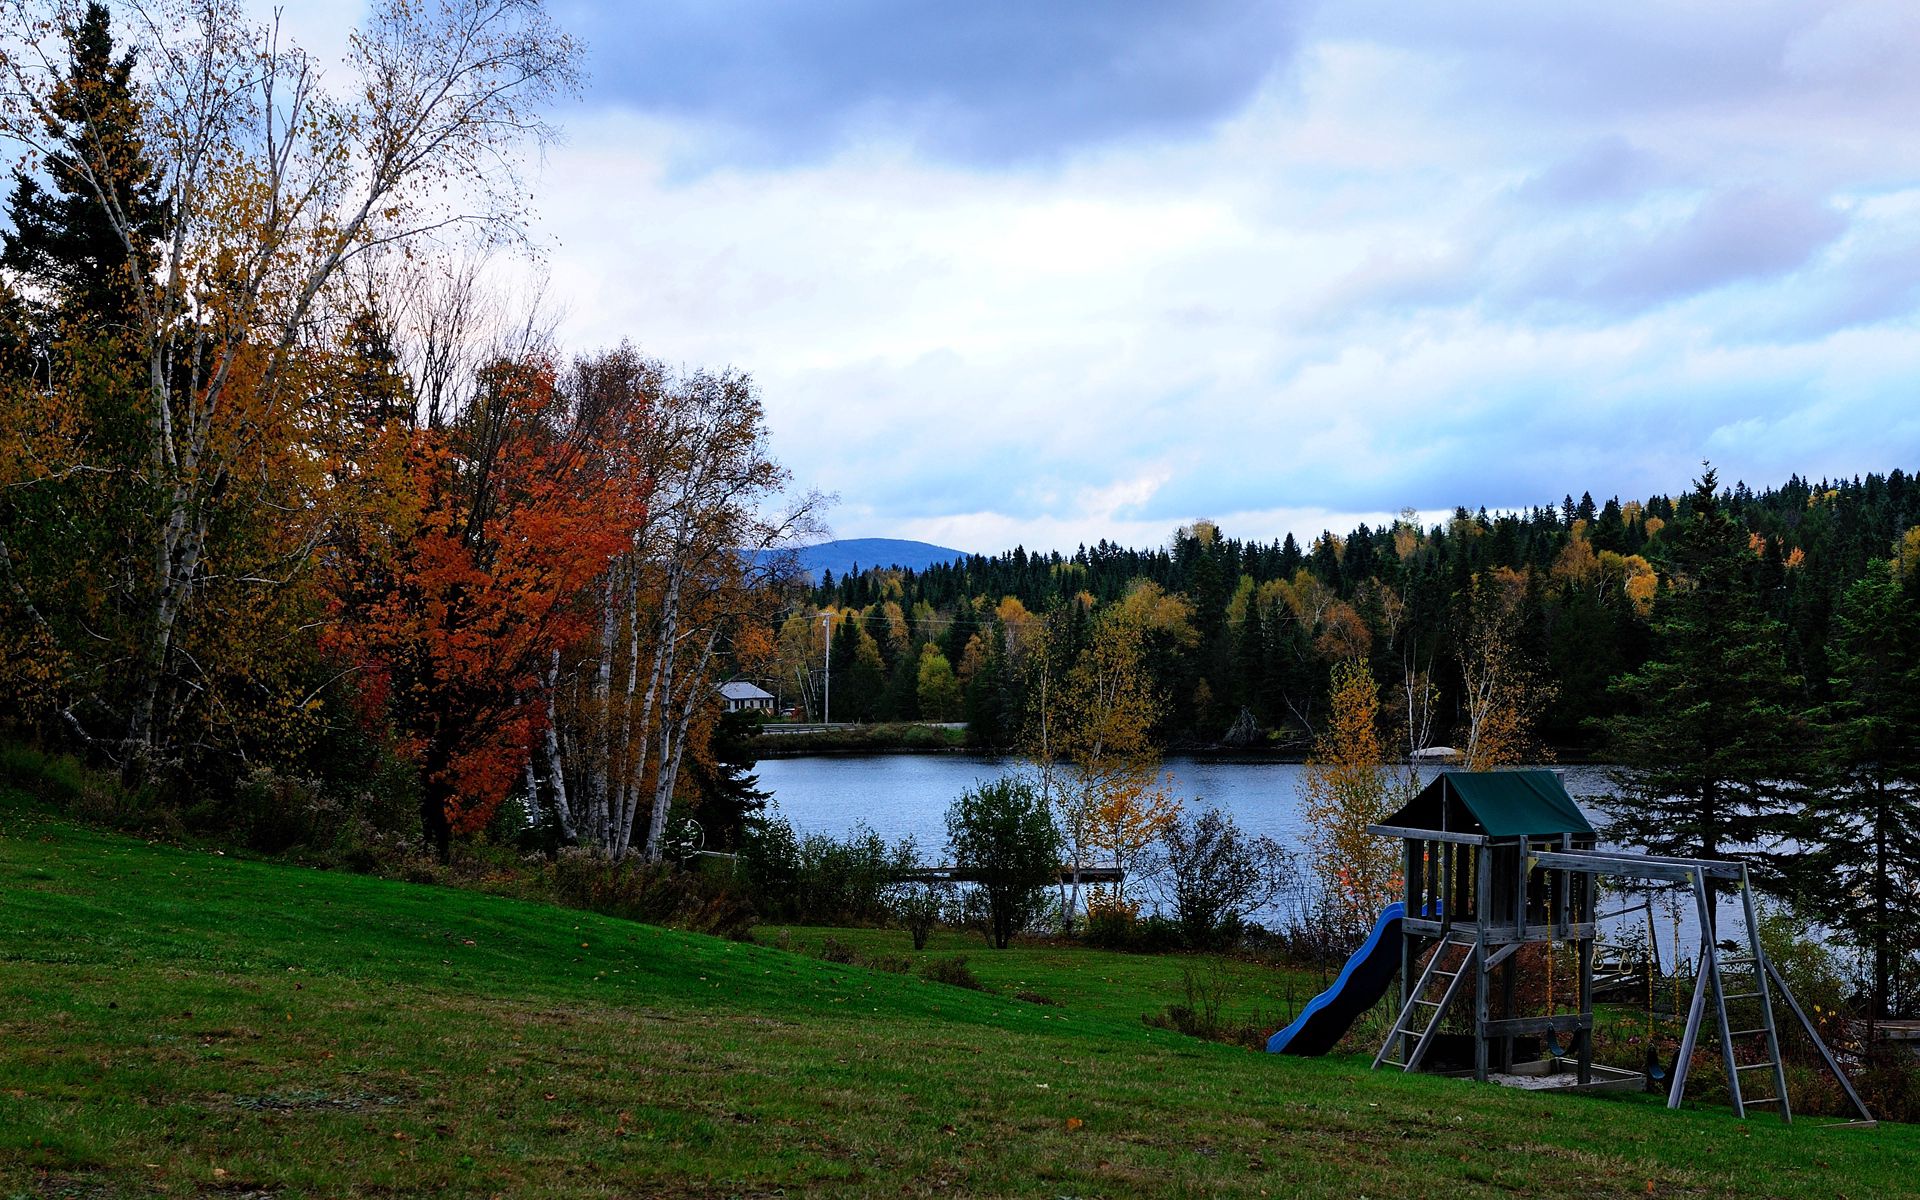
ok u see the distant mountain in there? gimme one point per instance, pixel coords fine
(842, 556)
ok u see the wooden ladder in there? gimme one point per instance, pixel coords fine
(1712, 986)
(1407, 1024)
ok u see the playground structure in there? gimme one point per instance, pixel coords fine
(1498, 861)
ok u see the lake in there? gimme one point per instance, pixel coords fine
(901, 794)
(897, 795)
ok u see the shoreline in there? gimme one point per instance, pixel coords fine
(875, 740)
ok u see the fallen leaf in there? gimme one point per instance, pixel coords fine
(1074, 1123)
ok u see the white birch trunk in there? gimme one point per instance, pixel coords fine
(556, 765)
(673, 743)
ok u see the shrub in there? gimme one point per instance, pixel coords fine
(918, 907)
(58, 779)
(657, 893)
(819, 880)
(1003, 835)
(1213, 876)
(1120, 929)
(954, 972)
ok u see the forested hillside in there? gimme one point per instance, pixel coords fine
(1250, 630)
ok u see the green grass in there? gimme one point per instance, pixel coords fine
(179, 1022)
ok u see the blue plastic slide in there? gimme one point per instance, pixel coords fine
(1362, 982)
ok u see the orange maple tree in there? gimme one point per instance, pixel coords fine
(470, 572)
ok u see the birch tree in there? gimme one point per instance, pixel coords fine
(694, 576)
(270, 184)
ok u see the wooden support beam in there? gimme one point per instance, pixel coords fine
(1483, 872)
(1428, 835)
(1640, 866)
(1826, 1055)
(1569, 1023)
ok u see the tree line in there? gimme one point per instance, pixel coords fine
(291, 490)
(1265, 621)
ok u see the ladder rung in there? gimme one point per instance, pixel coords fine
(1746, 1032)
(1741, 996)
(1755, 1066)
(1448, 974)
(1428, 1003)
(1761, 1100)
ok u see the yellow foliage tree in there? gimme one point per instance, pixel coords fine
(1499, 688)
(1349, 786)
(1127, 819)
(1090, 734)
(1906, 554)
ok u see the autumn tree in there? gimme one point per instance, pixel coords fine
(1501, 691)
(1347, 787)
(451, 605)
(1091, 732)
(937, 691)
(679, 599)
(250, 190)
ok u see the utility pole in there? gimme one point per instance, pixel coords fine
(826, 671)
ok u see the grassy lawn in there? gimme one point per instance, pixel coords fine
(1101, 983)
(178, 1022)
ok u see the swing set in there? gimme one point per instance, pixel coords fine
(1496, 861)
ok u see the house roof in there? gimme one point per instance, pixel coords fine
(1501, 803)
(740, 689)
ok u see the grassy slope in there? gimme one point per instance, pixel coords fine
(175, 1021)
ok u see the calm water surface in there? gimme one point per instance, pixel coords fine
(901, 794)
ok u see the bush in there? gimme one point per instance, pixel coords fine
(818, 880)
(656, 893)
(57, 779)
(954, 972)
(918, 908)
(1213, 877)
(1118, 929)
(1002, 833)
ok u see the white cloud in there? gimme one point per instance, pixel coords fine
(1441, 261)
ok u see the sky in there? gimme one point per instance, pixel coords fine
(1028, 273)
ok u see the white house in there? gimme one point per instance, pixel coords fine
(742, 695)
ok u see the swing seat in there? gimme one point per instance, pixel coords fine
(1656, 1069)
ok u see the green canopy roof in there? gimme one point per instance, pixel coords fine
(1527, 803)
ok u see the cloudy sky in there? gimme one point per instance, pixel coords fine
(1020, 272)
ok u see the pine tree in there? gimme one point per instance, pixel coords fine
(1711, 736)
(729, 791)
(63, 246)
(1860, 867)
